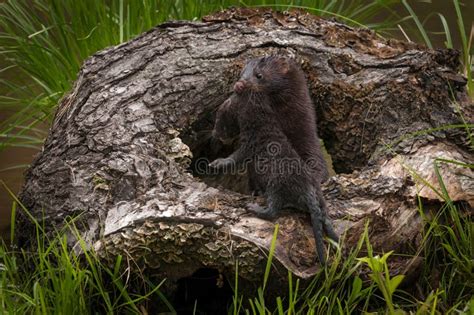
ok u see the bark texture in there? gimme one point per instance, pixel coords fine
(130, 141)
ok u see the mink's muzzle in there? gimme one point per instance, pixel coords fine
(240, 86)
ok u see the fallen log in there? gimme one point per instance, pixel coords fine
(128, 151)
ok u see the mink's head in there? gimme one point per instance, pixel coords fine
(269, 75)
(226, 127)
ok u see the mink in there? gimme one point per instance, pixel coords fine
(278, 169)
(284, 82)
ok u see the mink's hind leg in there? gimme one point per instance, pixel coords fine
(261, 212)
(275, 204)
(254, 189)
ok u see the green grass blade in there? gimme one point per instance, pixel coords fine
(270, 257)
(419, 25)
(447, 31)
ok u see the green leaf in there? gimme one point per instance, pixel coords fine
(395, 282)
(356, 287)
(384, 258)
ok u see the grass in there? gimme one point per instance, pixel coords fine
(466, 47)
(54, 279)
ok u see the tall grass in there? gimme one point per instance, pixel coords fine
(445, 285)
(53, 279)
(44, 42)
(449, 246)
(466, 34)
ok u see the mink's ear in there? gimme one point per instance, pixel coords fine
(283, 65)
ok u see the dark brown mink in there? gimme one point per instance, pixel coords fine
(286, 180)
(283, 82)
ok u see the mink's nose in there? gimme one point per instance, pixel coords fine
(239, 86)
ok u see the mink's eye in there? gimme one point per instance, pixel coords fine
(259, 76)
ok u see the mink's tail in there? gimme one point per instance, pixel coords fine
(317, 223)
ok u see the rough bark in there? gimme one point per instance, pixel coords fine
(129, 137)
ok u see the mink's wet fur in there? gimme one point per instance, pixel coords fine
(278, 169)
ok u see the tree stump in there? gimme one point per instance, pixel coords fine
(128, 149)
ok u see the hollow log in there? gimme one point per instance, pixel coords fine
(126, 155)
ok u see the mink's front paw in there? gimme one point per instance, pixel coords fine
(215, 163)
(220, 163)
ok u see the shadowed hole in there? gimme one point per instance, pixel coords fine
(206, 291)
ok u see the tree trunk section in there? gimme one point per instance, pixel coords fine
(128, 149)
